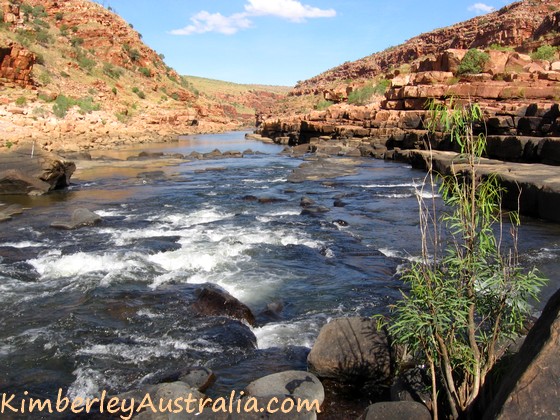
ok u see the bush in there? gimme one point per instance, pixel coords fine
(361, 96)
(86, 63)
(76, 41)
(323, 104)
(138, 92)
(61, 106)
(64, 29)
(467, 293)
(45, 78)
(545, 52)
(114, 90)
(112, 71)
(145, 71)
(473, 62)
(132, 53)
(21, 101)
(381, 87)
(87, 105)
(43, 37)
(58, 16)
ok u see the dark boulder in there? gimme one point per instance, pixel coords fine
(214, 301)
(396, 410)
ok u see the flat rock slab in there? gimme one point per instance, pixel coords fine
(324, 168)
(536, 185)
(80, 218)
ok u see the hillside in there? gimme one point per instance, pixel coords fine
(522, 26)
(239, 99)
(74, 75)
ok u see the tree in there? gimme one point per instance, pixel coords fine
(467, 293)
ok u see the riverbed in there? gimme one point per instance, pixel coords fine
(108, 307)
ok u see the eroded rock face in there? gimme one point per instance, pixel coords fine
(351, 349)
(531, 389)
(16, 64)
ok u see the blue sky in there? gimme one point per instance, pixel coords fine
(279, 42)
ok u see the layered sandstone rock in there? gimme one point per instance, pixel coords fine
(16, 64)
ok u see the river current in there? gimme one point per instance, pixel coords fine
(109, 307)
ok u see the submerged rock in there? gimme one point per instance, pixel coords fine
(80, 218)
(212, 300)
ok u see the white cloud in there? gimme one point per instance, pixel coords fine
(291, 10)
(214, 22)
(287, 9)
(481, 8)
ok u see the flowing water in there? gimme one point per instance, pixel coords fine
(108, 307)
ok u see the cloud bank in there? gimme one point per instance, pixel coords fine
(291, 10)
(481, 8)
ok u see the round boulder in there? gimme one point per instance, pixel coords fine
(351, 349)
(296, 383)
(396, 410)
(214, 301)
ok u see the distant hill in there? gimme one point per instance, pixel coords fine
(245, 99)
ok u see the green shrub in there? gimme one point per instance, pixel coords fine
(86, 63)
(114, 90)
(361, 96)
(498, 47)
(545, 52)
(381, 87)
(112, 71)
(64, 29)
(21, 101)
(39, 11)
(138, 92)
(44, 97)
(323, 104)
(132, 53)
(76, 41)
(64, 74)
(43, 37)
(40, 23)
(9, 144)
(61, 106)
(58, 16)
(473, 62)
(45, 78)
(87, 105)
(145, 71)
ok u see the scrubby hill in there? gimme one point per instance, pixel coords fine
(522, 26)
(74, 74)
(239, 99)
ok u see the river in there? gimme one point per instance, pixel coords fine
(108, 307)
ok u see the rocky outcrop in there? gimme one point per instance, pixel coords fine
(33, 173)
(522, 25)
(16, 65)
(351, 349)
(530, 388)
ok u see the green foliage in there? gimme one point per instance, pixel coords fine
(45, 78)
(64, 74)
(41, 23)
(44, 97)
(40, 112)
(21, 101)
(498, 47)
(473, 62)
(323, 104)
(43, 37)
(361, 96)
(76, 41)
(545, 52)
(62, 105)
(381, 87)
(9, 144)
(87, 105)
(138, 92)
(132, 53)
(145, 71)
(467, 293)
(59, 16)
(123, 116)
(114, 90)
(112, 71)
(64, 29)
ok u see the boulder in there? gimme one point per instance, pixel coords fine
(171, 392)
(530, 388)
(350, 350)
(80, 217)
(396, 410)
(7, 212)
(214, 301)
(33, 172)
(298, 384)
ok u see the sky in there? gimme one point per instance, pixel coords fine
(279, 42)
